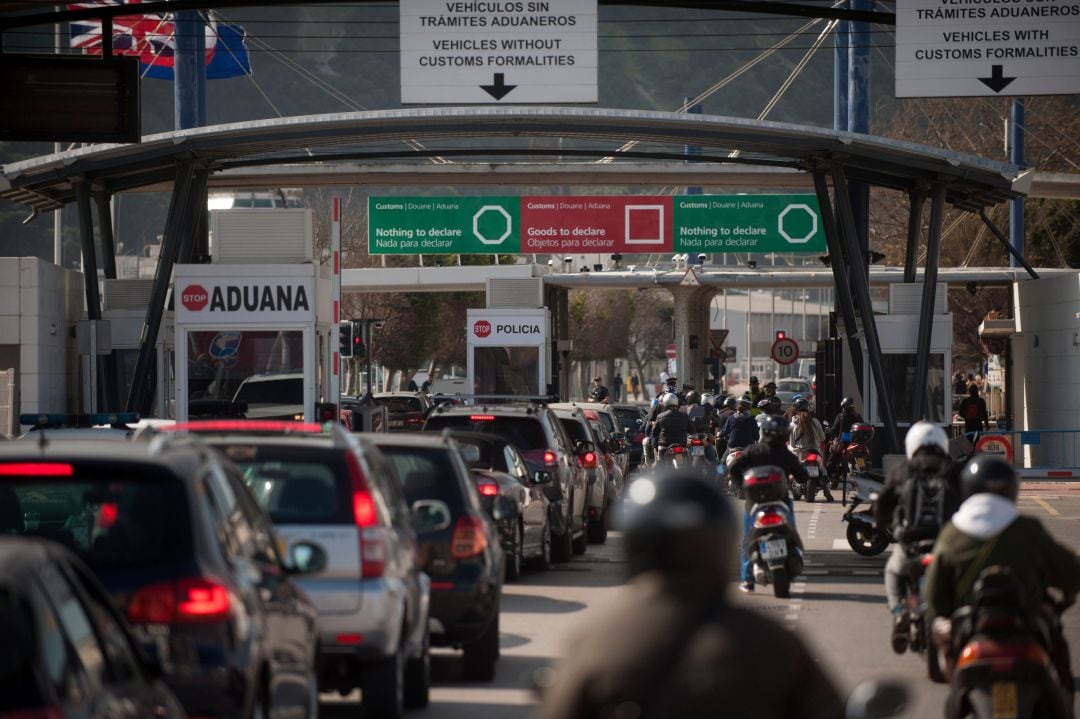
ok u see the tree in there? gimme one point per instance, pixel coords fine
(651, 315)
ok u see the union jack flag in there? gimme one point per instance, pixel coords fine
(152, 38)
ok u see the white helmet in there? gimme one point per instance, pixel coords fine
(670, 399)
(925, 434)
(708, 398)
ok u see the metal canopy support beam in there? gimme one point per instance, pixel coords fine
(179, 229)
(105, 226)
(90, 282)
(861, 286)
(840, 274)
(917, 198)
(920, 408)
(1008, 245)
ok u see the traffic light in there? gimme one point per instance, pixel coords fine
(781, 334)
(346, 339)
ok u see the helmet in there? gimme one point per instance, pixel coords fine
(801, 405)
(744, 403)
(670, 400)
(672, 379)
(775, 430)
(692, 397)
(796, 397)
(753, 380)
(730, 403)
(847, 402)
(677, 523)
(925, 435)
(989, 474)
(708, 399)
(764, 405)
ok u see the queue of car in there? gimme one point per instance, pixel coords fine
(238, 568)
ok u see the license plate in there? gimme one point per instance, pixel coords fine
(773, 548)
(860, 462)
(397, 423)
(812, 470)
(1003, 695)
(697, 451)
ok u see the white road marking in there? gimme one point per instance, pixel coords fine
(840, 544)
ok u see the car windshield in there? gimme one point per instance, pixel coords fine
(400, 404)
(577, 431)
(793, 387)
(295, 491)
(525, 433)
(490, 457)
(426, 473)
(275, 391)
(629, 419)
(109, 517)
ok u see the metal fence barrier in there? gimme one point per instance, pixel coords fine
(1037, 453)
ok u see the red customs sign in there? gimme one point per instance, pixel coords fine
(598, 224)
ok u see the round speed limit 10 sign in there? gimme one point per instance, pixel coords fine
(785, 351)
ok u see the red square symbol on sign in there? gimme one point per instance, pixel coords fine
(644, 224)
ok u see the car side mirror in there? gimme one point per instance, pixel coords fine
(505, 508)
(470, 453)
(430, 515)
(877, 700)
(306, 558)
(541, 476)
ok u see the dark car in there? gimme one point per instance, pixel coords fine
(458, 546)
(65, 651)
(500, 470)
(591, 458)
(337, 491)
(405, 411)
(535, 431)
(632, 419)
(186, 552)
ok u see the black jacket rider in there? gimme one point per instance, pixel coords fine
(672, 427)
(843, 423)
(762, 454)
(926, 464)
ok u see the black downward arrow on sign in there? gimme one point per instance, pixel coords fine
(498, 89)
(996, 82)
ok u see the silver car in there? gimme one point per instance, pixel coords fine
(787, 388)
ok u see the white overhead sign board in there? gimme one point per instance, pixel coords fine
(470, 52)
(964, 48)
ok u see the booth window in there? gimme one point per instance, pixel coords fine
(507, 370)
(263, 367)
(900, 379)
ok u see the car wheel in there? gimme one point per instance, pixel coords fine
(481, 654)
(598, 530)
(383, 687)
(418, 678)
(563, 546)
(514, 558)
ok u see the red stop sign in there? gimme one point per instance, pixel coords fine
(194, 297)
(482, 328)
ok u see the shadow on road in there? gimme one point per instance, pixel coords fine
(537, 604)
(513, 671)
(845, 597)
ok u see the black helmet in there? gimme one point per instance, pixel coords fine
(802, 405)
(765, 405)
(730, 403)
(692, 397)
(847, 402)
(986, 473)
(677, 523)
(774, 430)
(753, 380)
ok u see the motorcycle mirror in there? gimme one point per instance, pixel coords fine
(877, 700)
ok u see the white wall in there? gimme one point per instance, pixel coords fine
(39, 304)
(1046, 353)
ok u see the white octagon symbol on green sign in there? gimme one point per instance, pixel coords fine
(793, 239)
(476, 224)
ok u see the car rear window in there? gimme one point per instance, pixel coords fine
(628, 418)
(793, 387)
(276, 391)
(400, 404)
(426, 473)
(576, 430)
(111, 517)
(295, 485)
(525, 433)
(490, 455)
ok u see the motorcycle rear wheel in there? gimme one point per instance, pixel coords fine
(866, 541)
(781, 583)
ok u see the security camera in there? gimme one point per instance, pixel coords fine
(568, 260)
(551, 263)
(378, 324)
(702, 257)
(633, 268)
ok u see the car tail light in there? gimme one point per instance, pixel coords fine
(588, 460)
(1001, 655)
(37, 469)
(769, 518)
(366, 516)
(926, 559)
(414, 421)
(488, 489)
(550, 458)
(349, 639)
(678, 449)
(180, 602)
(34, 713)
(482, 417)
(470, 538)
(245, 425)
(811, 457)
(696, 442)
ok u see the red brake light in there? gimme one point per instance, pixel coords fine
(550, 458)
(200, 599)
(696, 442)
(470, 538)
(926, 559)
(589, 460)
(769, 518)
(678, 449)
(811, 457)
(488, 489)
(1001, 655)
(245, 425)
(37, 469)
(482, 417)
(107, 515)
(349, 639)
(366, 516)
(183, 601)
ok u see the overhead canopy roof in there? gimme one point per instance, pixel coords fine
(48, 182)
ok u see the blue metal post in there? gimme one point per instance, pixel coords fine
(189, 64)
(1016, 157)
(840, 76)
(859, 119)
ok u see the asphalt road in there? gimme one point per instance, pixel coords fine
(838, 607)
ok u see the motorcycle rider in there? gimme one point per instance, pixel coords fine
(927, 449)
(741, 429)
(726, 410)
(839, 429)
(775, 404)
(674, 647)
(808, 434)
(987, 530)
(771, 450)
(755, 393)
(671, 427)
(703, 420)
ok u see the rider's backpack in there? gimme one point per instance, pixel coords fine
(923, 508)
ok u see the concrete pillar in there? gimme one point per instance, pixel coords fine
(692, 332)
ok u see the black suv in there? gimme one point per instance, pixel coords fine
(458, 545)
(536, 432)
(185, 551)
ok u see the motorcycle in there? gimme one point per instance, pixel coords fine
(773, 545)
(675, 456)
(854, 455)
(733, 453)
(812, 462)
(696, 447)
(863, 533)
(914, 634)
(1003, 668)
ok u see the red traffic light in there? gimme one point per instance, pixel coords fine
(780, 334)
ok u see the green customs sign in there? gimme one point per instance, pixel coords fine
(748, 223)
(443, 225)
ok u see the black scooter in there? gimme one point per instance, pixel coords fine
(773, 544)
